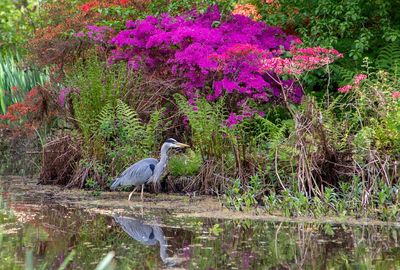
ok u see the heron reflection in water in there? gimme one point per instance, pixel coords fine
(146, 235)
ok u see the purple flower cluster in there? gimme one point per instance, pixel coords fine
(211, 57)
(63, 94)
(98, 34)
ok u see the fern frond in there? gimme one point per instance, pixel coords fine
(128, 122)
(389, 58)
(153, 133)
(344, 75)
(105, 121)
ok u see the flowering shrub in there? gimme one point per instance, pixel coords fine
(98, 34)
(56, 40)
(88, 6)
(355, 85)
(301, 60)
(209, 55)
(248, 10)
(213, 58)
(36, 108)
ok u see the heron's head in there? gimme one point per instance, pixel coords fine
(172, 143)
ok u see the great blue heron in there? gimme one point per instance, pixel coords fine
(146, 235)
(148, 170)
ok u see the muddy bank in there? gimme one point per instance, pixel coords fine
(108, 203)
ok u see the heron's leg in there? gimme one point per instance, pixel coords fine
(130, 195)
(141, 195)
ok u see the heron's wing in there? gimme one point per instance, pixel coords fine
(137, 174)
(137, 230)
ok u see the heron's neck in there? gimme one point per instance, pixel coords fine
(162, 164)
(159, 235)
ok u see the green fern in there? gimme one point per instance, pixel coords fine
(121, 134)
(205, 122)
(98, 85)
(389, 58)
(343, 75)
(274, 135)
(128, 123)
(153, 128)
(106, 120)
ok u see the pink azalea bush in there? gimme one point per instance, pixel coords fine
(237, 57)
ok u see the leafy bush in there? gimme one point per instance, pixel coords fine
(185, 165)
(17, 22)
(120, 135)
(16, 81)
(240, 197)
(93, 85)
(356, 28)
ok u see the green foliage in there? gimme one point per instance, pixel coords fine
(187, 164)
(17, 22)
(154, 131)
(16, 81)
(175, 7)
(389, 58)
(97, 85)
(122, 13)
(342, 201)
(356, 28)
(241, 197)
(205, 122)
(121, 135)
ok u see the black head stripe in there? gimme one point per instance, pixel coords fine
(170, 140)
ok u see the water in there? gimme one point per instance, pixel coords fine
(158, 240)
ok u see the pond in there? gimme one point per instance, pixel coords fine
(41, 230)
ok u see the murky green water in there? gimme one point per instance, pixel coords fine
(157, 240)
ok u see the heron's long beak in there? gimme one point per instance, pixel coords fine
(182, 145)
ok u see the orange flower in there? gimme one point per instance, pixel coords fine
(248, 10)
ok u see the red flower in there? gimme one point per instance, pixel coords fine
(396, 95)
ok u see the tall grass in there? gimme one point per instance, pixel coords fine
(16, 81)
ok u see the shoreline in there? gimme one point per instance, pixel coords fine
(27, 191)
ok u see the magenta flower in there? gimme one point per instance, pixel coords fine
(63, 94)
(345, 89)
(358, 78)
(231, 121)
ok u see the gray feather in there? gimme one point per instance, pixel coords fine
(146, 234)
(137, 174)
(139, 231)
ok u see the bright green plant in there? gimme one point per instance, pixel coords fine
(187, 164)
(95, 85)
(242, 197)
(121, 135)
(205, 123)
(356, 28)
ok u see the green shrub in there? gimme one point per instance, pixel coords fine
(15, 81)
(96, 85)
(187, 164)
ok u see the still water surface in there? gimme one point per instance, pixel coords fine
(158, 240)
